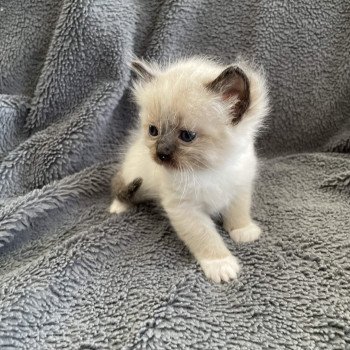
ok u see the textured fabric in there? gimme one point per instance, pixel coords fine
(74, 277)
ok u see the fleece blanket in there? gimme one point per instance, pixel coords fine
(72, 276)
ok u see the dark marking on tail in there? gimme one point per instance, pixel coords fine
(125, 193)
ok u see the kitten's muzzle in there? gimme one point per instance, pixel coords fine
(165, 152)
(163, 157)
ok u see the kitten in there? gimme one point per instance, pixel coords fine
(194, 152)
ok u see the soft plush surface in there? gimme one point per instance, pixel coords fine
(74, 277)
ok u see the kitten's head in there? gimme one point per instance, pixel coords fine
(195, 113)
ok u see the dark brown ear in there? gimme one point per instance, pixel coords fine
(233, 83)
(142, 70)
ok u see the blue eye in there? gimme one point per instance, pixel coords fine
(187, 136)
(153, 131)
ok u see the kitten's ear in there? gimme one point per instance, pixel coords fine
(143, 70)
(233, 83)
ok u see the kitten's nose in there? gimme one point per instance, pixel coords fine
(165, 151)
(164, 156)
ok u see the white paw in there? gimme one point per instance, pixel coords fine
(220, 270)
(117, 207)
(246, 234)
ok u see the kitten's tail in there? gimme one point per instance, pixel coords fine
(259, 105)
(125, 192)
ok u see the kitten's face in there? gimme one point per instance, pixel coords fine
(182, 130)
(185, 125)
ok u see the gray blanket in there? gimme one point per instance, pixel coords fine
(74, 277)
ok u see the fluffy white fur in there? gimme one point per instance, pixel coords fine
(190, 195)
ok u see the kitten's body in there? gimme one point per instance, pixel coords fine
(212, 174)
(211, 190)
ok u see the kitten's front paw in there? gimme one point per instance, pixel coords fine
(246, 234)
(220, 270)
(117, 207)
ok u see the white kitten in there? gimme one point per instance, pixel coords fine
(194, 152)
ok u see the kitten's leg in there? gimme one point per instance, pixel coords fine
(124, 194)
(198, 232)
(238, 221)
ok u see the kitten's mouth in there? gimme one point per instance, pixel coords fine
(167, 163)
